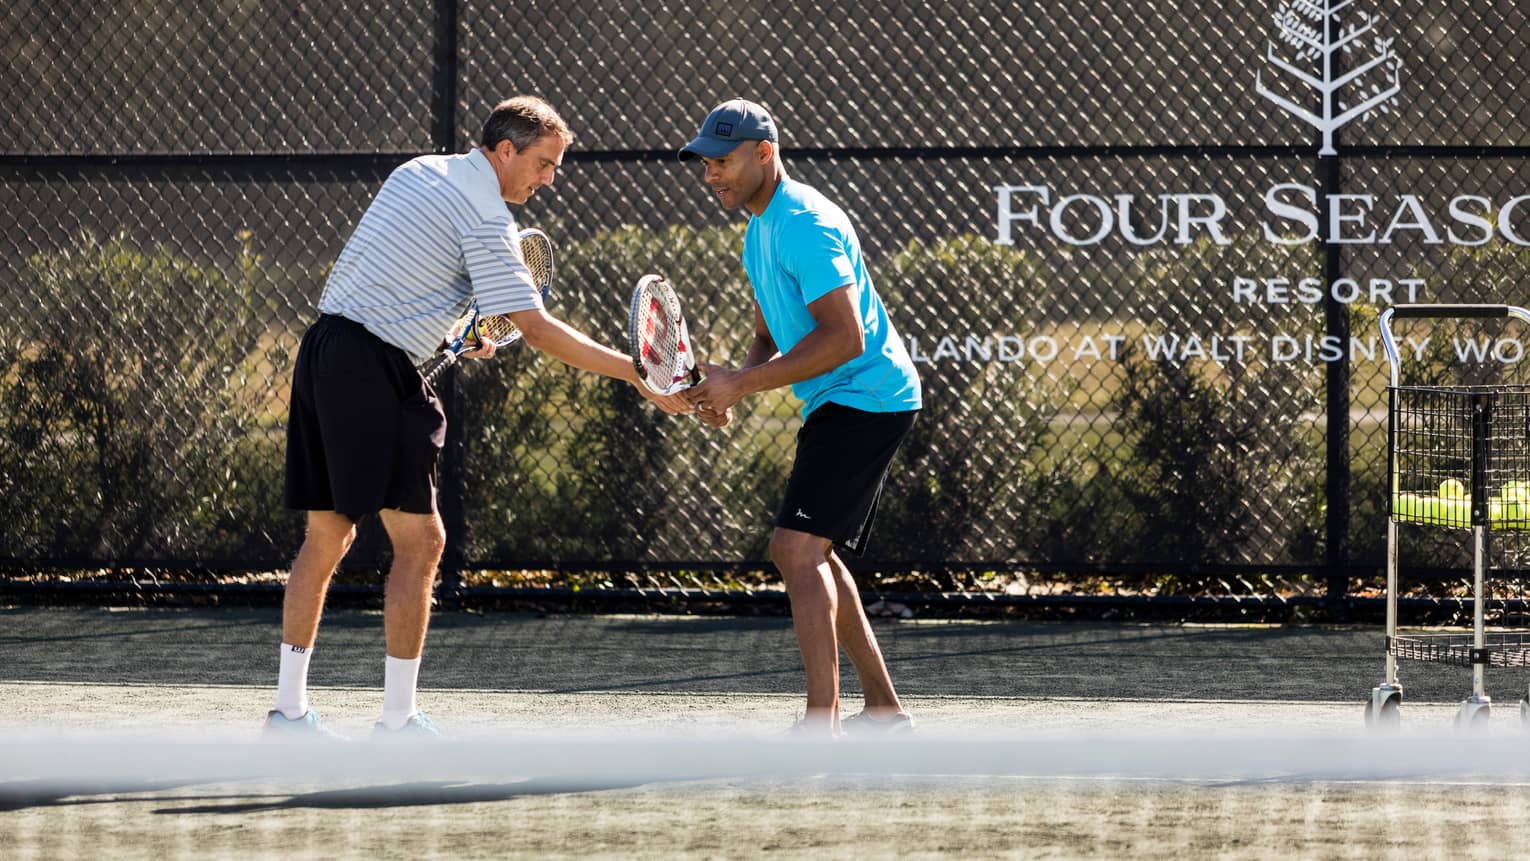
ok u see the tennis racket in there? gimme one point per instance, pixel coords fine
(658, 339)
(473, 329)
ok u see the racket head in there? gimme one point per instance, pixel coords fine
(658, 338)
(497, 330)
(537, 252)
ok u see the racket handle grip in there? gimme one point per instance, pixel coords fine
(437, 365)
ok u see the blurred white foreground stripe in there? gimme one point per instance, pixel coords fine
(123, 760)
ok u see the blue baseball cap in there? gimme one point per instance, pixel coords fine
(728, 125)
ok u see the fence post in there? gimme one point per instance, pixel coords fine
(453, 484)
(443, 88)
(1337, 383)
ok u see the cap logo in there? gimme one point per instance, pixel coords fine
(725, 129)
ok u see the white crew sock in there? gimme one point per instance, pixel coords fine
(399, 679)
(292, 682)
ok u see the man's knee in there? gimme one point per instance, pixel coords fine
(330, 531)
(795, 553)
(417, 538)
(424, 547)
(432, 540)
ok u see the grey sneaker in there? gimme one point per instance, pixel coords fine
(803, 728)
(867, 724)
(307, 728)
(418, 728)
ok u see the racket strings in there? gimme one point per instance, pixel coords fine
(662, 347)
(538, 256)
(497, 329)
(536, 252)
(657, 337)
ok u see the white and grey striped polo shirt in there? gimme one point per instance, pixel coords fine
(436, 236)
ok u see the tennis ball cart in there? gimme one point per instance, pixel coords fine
(1458, 458)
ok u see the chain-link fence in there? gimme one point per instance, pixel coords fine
(1142, 303)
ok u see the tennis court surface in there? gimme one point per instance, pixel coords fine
(134, 733)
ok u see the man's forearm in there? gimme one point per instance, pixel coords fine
(821, 351)
(572, 347)
(760, 352)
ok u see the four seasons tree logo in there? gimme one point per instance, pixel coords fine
(1320, 43)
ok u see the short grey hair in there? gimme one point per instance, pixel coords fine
(523, 120)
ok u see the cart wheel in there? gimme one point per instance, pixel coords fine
(1390, 716)
(1473, 717)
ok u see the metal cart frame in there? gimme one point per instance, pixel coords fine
(1480, 649)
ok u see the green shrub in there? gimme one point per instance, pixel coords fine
(975, 469)
(126, 413)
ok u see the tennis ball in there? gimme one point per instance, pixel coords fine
(1452, 488)
(1517, 490)
(1456, 512)
(1512, 512)
(1407, 506)
(1427, 509)
(1445, 512)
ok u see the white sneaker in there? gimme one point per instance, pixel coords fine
(307, 728)
(417, 729)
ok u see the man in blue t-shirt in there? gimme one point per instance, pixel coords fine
(821, 328)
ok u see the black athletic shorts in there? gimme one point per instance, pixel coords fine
(842, 459)
(365, 430)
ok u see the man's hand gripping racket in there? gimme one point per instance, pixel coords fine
(473, 330)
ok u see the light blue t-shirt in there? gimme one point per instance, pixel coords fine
(800, 249)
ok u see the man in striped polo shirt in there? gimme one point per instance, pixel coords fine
(365, 430)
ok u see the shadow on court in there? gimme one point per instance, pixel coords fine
(425, 793)
(23, 795)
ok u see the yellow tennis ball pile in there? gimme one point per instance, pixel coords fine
(1512, 502)
(1407, 506)
(1507, 509)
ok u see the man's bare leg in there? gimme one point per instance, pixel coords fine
(860, 642)
(418, 541)
(800, 558)
(328, 537)
(325, 543)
